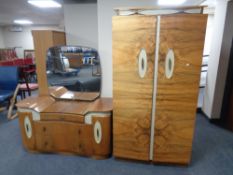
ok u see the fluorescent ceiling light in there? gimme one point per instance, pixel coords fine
(45, 3)
(22, 21)
(170, 2)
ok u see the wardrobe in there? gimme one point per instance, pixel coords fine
(157, 55)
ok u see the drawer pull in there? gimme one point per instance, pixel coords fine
(44, 129)
(169, 64)
(28, 127)
(142, 63)
(79, 131)
(97, 132)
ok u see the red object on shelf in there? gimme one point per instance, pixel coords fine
(7, 54)
(17, 62)
(28, 61)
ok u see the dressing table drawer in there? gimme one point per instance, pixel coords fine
(62, 117)
(59, 136)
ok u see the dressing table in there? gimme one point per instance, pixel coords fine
(67, 119)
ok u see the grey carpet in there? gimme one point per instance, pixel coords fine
(212, 155)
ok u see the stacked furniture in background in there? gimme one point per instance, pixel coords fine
(157, 58)
(17, 61)
(7, 54)
(27, 74)
(65, 62)
(66, 67)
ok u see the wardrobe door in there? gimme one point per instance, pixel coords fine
(183, 36)
(133, 67)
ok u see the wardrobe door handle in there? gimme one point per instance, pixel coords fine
(169, 64)
(142, 63)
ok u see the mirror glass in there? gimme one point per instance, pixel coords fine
(76, 68)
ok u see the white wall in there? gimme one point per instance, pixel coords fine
(22, 40)
(81, 24)
(209, 34)
(105, 13)
(223, 63)
(217, 66)
(2, 45)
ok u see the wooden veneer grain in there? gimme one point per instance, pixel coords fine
(132, 95)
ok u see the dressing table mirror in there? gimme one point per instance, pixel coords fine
(68, 116)
(73, 72)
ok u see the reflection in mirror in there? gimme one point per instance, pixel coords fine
(76, 68)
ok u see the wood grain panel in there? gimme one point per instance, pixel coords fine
(176, 99)
(104, 148)
(80, 107)
(59, 38)
(61, 117)
(64, 137)
(69, 107)
(60, 92)
(43, 40)
(100, 105)
(28, 143)
(57, 91)
(132, 95)
(37, 104)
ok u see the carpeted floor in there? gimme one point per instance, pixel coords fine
(212, 155)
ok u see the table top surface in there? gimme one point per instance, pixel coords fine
(47, 104)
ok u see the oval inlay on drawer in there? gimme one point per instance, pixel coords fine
(28, 127)
(97, 132)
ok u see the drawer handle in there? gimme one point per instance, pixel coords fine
(169, 64)
(97, 132)
(142, 63)
(79, 131)
(44, 129)
(28, 127)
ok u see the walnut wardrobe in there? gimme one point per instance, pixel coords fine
(157, 56)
